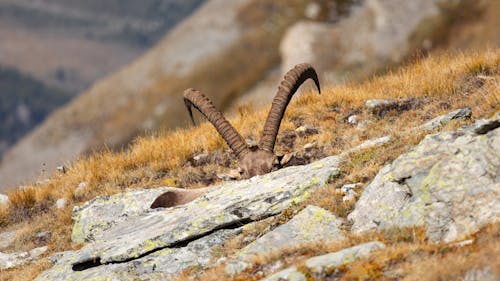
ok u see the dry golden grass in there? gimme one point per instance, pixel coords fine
(442, 83)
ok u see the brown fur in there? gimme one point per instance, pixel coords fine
(173, 198)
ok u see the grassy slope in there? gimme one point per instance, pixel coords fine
(441, 83)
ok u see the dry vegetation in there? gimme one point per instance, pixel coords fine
(437, 84)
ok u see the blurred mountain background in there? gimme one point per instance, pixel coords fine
(120, 67)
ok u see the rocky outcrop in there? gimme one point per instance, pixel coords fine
(15, 259)
(449, 184)
(319, 267)
(103, 212)
(77, 128)
(375, 34)
(155, 236)
(313, 224)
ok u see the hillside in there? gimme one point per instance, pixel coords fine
(238, 54)
(423, 90)
(53, 50)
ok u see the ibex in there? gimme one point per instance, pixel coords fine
(252, 160)
(261, 159)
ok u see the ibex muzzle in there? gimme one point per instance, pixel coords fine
(259, 160)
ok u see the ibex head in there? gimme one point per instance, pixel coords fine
(261, 159)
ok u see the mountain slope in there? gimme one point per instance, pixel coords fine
(425, 89)
(223, 49)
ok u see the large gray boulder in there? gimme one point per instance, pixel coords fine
(449, 183)
(119, 252)
(376, 34)
(103, 212)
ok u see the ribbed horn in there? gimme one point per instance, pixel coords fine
(287, 88)
(194, 98)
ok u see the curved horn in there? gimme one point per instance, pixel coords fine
(289, 85)
(195, 98)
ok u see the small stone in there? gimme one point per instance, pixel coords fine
(80, 191)
(16, 259)
(363, 125)
(61, 203)
(232, 174)
(463, 243)
(377, 104)
(306, 131)
(462, 113)
(251, 142)
(7, 238)
(61, 169)
(200, 157)
(310, 146)
(353, 119)
(312, 10)
(350, 196)
(42, 237)
(347, 187)
(4, 199)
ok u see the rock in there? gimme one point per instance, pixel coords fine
(348, 187)
(348, 191)
(375, 34)
(483, 126)
(103, 212)
(7, 238)
(62, 169)
(363, 125)
(312, 10)
(371, 143)
(353, 119)
(462, 113)
(81, 189)
(380, 104)
(120, 238)
(16, 259)
(4, 199)
(160, 265)
(313, 224)
(448, 183)
(42, 237)
(318, 268)
(310, 146)
(232, 174)
(483, 274)
(61, 203)
(200, 159)
(306, 131)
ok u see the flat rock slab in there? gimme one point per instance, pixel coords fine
(103, 212)
(313, 224)
(462, 113)
(17, 259)
(449, 183)
(159, 265)
(318, 267)
(223, 207)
